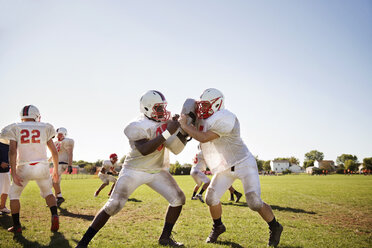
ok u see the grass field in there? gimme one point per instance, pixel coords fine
(316, 211)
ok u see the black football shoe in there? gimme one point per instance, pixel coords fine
(275, 234)
(216, 231)
(170, 242)
(238, 196)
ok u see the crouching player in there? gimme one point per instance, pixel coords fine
(28, 161)
(108, 168)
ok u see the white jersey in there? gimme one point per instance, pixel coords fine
(31, 138)
(229, 149)
(199, 163)
(146, 129)
(62, 147)
(107, 165)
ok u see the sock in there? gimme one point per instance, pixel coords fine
(272, 223)
(15, 218)
(217, 222)
(201, 192)
(167, 230)
(236, 193)
(193, 194)
(53, 210)
(89, 234)
(232, 195)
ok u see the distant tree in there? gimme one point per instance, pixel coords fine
(292, 160)
(342, 158)
(314, 155)
(259, 163)
(98, 163)
(351, 165)
(367, 163)
(308, 163)
(266, 166)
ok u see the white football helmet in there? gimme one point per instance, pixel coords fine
(211, 101)
(62, 130)
(153, 105)
(31, 112)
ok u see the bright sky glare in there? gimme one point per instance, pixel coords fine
(298, 74)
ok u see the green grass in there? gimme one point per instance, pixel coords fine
(316, 211)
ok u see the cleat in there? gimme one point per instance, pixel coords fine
(275, 234)
(169, 242)
(238, 196)
(5, 211)
(15, 229)
(200, 197)
(231, 198)
(216, 231)
(96, 194)
(59, 201)
(55, 223)
(80, 246)
(194, 198)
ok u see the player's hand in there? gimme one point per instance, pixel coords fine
(175, 117)
(172, 126)
(16, 179)
(4, 165)
(183, 120)
(55, 176)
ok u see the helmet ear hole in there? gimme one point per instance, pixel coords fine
(146, 109)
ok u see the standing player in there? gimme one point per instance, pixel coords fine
(200, 178)
(28, 161)
(108, 168)
(65, 147)
(146, 163)
(4, 175)
(228, 158)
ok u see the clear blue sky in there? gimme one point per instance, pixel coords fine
(298, 74)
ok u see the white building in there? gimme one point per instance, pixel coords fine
(281, 165)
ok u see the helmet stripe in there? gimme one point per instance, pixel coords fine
(25, 110)
(161, 95)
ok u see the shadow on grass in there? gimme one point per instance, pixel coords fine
(239, 204)
(65, 212)
(134, 200)
(230, 244)
(294, 210)
(6, 221)
(57, 240)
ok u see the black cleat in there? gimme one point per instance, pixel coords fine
(59, 201)
(216, 231)
(275, 234)
(169, 242)
(231, 198)
(81, 246)
(200, 198)
(238, 196)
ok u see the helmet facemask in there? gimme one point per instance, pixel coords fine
(159, 112)
(205, 109)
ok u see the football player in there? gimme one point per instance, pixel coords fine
(28, 160)
(65, 147)
(228, 158)
(146, 163)
(4, 175)
(200, 178)
(108, 168)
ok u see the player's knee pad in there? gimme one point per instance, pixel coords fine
(114, 205)
(211, 198)
(254, 201)
(179, 200)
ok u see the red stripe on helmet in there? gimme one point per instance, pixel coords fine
(25, 110)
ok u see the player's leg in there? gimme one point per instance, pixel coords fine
(218, 186)
(195, 191)
(127, 182)
(15, 205)
(233, 192)
(164, 184)
(252, 189)
(46, 192)
(4, 191)
(57, 185)
(113, 180)
(194, 175)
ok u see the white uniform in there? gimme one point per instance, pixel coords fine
(149, 169)
(197, 170)
(32, 163)
(229, 159)
(62, 147)
(106, 178)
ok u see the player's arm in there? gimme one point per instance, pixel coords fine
(13, 162)
(146, 146)
(70, 154)
(200, 136)
(53, 150)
